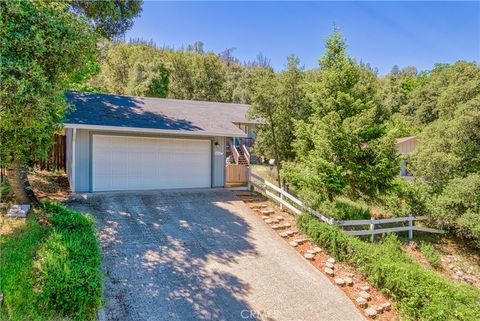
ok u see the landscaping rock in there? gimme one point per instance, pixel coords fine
(311, 252)
(348, 281)
(329, 265)
(300, 241)
(365, 295)
(267, 211)
(18, 210)
(309, 256)
(317, 249)
(276, 227)
(274, 220)
(350, 275)
(386, 306)
(293, 243)
(331, 260)
(329, 271)
(339, 281)
(290, 232)
(265, 217)
(361, 302)
(287, 225)
(268, 221)
(284, 234)
(365, 288)
(378, 308)
(371, 312)
(279, 217)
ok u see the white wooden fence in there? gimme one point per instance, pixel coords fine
(375, 226)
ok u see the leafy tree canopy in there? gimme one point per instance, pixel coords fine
(343, 146)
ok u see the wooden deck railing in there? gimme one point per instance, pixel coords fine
(376, 226)
(235, 153)
(246, 153)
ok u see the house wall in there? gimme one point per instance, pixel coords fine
(82, 161)
(218, 162)
(248, 128)
(407, 147)
(68, 150)
(83, 165)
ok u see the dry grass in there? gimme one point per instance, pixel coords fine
(51, 186)
(266, 172)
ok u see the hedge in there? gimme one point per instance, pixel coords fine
(420, 294)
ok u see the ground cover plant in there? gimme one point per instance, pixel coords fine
(419, 294)
(51, 267)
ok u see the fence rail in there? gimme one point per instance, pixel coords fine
(375, 225)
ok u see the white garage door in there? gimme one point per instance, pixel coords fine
(140, 163)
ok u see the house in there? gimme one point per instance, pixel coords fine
(405, 146)
(116, 143)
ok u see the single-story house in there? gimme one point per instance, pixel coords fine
(116, 143)
(405, 146)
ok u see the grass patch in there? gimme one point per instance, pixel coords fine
(51, 267)
(420, 294)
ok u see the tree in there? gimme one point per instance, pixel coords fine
(287, 104)
(343, 146)
(437, 93)
(45, 45)
(449, 148)
(109, 18)
(264, 106)
(134, 69)
(458, 206)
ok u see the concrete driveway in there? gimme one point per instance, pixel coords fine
(203, 255)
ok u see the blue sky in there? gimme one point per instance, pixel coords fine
(380, 33)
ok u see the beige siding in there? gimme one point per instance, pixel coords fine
(406, 147)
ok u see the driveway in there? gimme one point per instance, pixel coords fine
(203, 255)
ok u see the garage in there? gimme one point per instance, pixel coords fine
(126, 143)
(143, 163)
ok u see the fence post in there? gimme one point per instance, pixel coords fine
(372, 229)
(281, 197)
(248, 180)
(410, 226)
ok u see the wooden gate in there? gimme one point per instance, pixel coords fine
(57, 156)
(237, 174)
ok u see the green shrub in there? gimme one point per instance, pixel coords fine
(345, 209)
(458, 207)
(402, 199)
(68, 264)
(419, 293)
(431, 254)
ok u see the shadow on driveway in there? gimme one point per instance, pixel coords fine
(155, 251)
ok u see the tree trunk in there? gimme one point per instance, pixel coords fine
(275, 150)
(18, 181)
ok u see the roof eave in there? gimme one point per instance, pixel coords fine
(238, 133)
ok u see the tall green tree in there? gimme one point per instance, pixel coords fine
(286, 103)
(44, 46)
(343, 146)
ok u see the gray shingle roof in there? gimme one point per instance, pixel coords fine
(155, 113)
